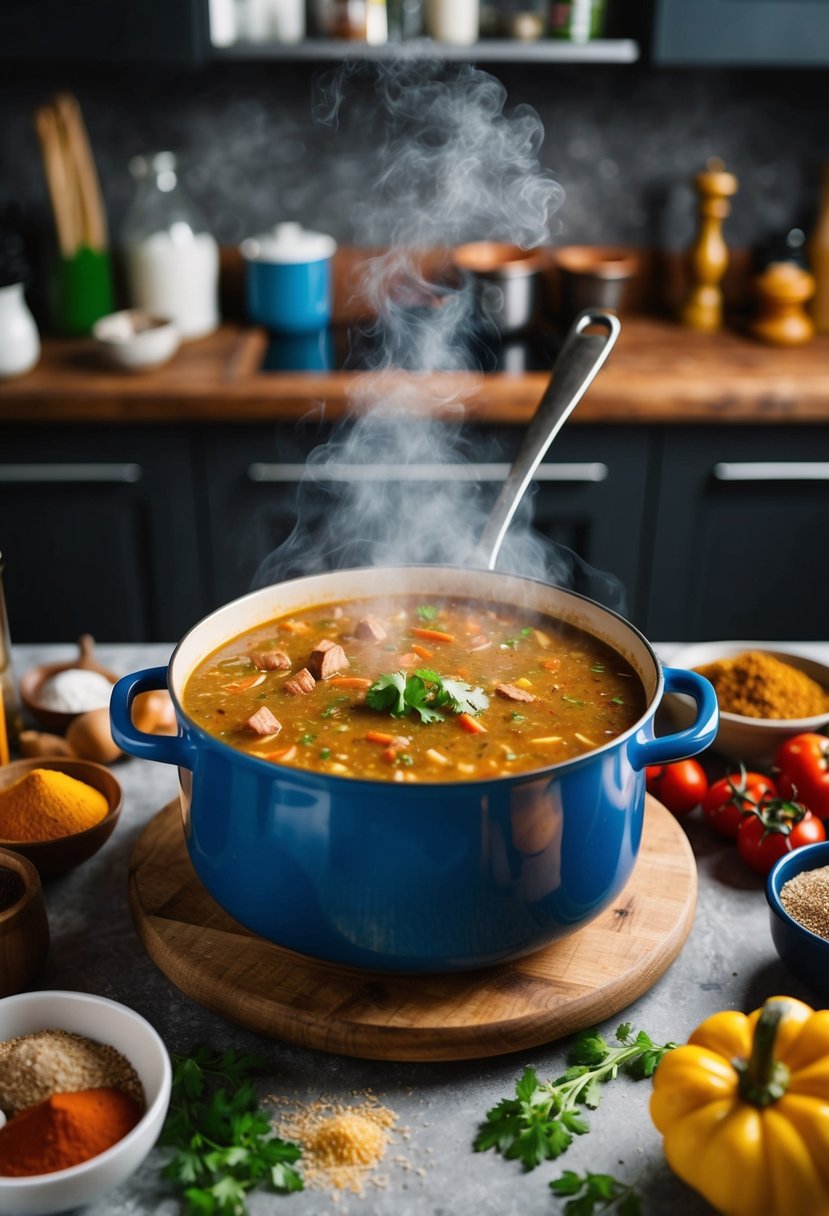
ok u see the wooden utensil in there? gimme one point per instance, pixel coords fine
(73, 131)
(59, 181)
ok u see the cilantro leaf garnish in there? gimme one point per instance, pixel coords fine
(588, 1193)
(426, 693)
(221, 1141)
(428, 612)
(540, 1121)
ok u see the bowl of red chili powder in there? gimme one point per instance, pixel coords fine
(85, 1086)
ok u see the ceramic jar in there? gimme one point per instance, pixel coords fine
(19, 339)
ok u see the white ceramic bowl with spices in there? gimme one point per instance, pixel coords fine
(104, 1021)
(804, 952)
(752, 740)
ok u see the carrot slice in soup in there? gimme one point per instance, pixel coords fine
(471, 725)
(349, 682)
(378, 736)
(422, 652)
(433, 635)
(245, 683)
(284, 756)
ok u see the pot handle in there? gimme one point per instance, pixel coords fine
(684, 743)
(168, 749)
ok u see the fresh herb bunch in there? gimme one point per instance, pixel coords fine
(222, 1143)
(588, 1193)
(540, 1121)
(424, 692)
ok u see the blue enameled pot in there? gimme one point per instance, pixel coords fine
(436, 876)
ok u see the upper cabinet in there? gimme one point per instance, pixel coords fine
(105, 31)
(771, 33)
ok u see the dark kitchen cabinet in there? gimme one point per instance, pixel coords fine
(770, 33)
(738, 547)
(98, 529)
(103, 31)
(590, 496)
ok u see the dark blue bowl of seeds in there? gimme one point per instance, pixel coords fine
(797, 890)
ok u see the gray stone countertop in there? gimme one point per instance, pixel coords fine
(728, 962)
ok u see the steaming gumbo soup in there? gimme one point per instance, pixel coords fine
(401, 689)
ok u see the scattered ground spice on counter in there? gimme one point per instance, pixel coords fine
(65, 1130)
(35, 1066)
(757, 685)
(12, 888)
(806, 899)
(46, 804)
(341, 1144)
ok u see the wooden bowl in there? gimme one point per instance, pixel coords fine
(32, 682)
(52, 857)
(24, 929)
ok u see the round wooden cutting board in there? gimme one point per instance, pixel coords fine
(576, 982)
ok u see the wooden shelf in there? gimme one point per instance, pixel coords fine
(488, 50)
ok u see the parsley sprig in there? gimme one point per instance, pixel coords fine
(426, 693)
(588, 1193)
(222, 1143)
(539, 1123)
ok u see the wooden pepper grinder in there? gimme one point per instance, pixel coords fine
(782, 291)
(708, 257)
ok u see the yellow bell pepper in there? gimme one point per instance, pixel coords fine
(744, 1110)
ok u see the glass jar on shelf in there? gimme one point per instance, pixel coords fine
(342, 19)
(577, 20)
(522, 20)
(171, 258)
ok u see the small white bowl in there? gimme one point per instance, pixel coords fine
(105, 1021)
(754, 740)
(136, 340)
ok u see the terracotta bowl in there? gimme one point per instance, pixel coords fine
(52, 857)
(32, 682)
(24, 929)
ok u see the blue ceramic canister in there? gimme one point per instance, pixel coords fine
(433, 876)
(288, 279)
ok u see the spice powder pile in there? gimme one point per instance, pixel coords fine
(341, 1144)
(36, 1066)
(758, 685)
(806, 899)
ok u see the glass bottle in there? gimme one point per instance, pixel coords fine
(9, 710)
(171, 259)
(577, 20)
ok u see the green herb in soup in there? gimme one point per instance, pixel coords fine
(400, 689)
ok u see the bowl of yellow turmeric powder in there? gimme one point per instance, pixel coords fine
(765, 696)
(57, 812)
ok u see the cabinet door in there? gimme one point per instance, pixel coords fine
(781, 32)
(105, 31)
(98, 532)
(589, 496)
(742, 516)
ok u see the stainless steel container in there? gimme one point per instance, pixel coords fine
(506, 279)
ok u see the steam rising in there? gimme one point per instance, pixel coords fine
(450, 165)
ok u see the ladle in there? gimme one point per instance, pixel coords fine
(582, 355)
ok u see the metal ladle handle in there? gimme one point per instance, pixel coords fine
(577, 365)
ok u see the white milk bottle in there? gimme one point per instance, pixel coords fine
(171, 259)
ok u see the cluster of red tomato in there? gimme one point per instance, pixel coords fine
(766, 816)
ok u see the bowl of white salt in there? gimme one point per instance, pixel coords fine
(56, 693)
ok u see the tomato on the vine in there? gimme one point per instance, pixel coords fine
(680, 786)
(777, 828)
(731, 798)
(803, 762)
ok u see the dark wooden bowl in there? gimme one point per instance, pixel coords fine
(33, 680)
(24, 929)
(52, 857)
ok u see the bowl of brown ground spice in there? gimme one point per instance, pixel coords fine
(57, 812)
(86, 1083)
(765, 696)
(797, 890)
